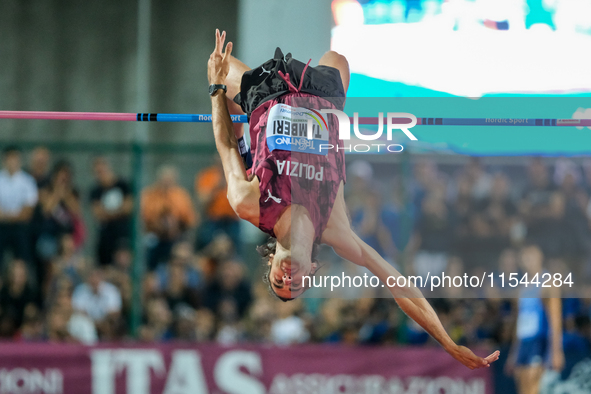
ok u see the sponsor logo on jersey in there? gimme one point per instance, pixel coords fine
(272, 197)
(296, 129)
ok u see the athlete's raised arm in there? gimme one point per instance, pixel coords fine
(243, 194)
(349, 246)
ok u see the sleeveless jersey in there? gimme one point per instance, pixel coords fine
(282, 99)
(532, 321)
(291, 168)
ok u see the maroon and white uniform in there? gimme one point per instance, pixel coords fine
(292, 168)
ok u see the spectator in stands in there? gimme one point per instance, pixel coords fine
(480, 246)
(211, 190)
(204, 325)
(184, 322)
(365, 204)
(289, 328)
(230, 329)
(158, 325)
(112, 205)
(480, 180)
(360, 181)
(261, 315)
(568, 177)
(59, 212)
(15, 296)
(32, 328)
(18, 197)
(543, 209)
(150, 286)
(507, 263)
(463, 204)
(167, 211)
(119, 273)
(229, 286)
(57, 326)
(177, 290)
(539, 189)
(220, 248)
(425, 174)
(39, 166)
(69, 264)
(486, 228)
(398, 215)
(373, 316)
(79, 327)
(182, 256)
(434, 235)
(100, 300)
(328, 321)
(498, 208)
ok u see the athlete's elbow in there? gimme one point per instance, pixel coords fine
(243, 207)
(244, 212)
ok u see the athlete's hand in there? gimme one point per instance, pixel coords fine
(218, 65)
(472, 361)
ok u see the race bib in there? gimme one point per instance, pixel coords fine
(289, 128)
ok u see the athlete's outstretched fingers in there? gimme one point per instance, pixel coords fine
(228, 51)
(469, 359)
(219, 41)
(233, 78)
(218, 65)
(493, 357)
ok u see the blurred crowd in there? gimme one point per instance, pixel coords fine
(55, 286)
(473, 219)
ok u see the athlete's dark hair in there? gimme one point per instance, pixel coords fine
(268, 248)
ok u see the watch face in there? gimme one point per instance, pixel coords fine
(211, 89)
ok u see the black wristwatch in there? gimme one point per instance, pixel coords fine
(215, 87)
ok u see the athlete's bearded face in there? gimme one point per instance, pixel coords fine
(287, 272)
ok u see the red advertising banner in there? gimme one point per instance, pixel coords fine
(212, 369)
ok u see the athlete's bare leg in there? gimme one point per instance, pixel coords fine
(333, 59)
(233, 80)
(528, 379)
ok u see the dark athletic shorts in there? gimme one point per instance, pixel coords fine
(533, 351)
(264, 82)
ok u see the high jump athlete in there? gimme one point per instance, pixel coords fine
(299, 207)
